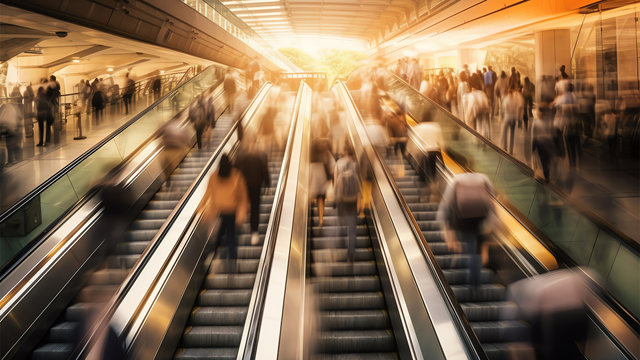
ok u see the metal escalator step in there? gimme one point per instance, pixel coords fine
(163, 196)
(328, 211)
(416, 191)
(245, 240)
(433, 235)
(230, 281)
(161, 205)
(122, 261)
(266, 199)
(340, 255)
(146, 224)
(96, 293)
(357, 356)
(246, 228)
(207, 354)
(408, 177)
(265, 208)
(64, 332)
(423, 206)
(352, 301)
(244, 266)
(501, 331)
(214, 316)
(212, 336)
(355, 320)
(186, 170)
(244, 252)
(428, 225)
(329, 231)
(509, 351)
(335, 242)
(408, 184)
(184, 177)
(132, 247)
(485, 292)
(461, 276)
(154, 214)
(453, 261)
(424, 215)
(140, 235)
(356, 341)
(344, 269)
(329, 284)
(224, 297)
(334, 220)
(82, 311)
(107, 277)
(490, 311)
(53, 351)
(439, 248)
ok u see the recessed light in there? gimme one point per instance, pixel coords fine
(76, 60)
(110, 69)
(161, 71)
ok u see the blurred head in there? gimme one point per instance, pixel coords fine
(52, 78)
(348, 149)
(484, 69)
(490, 68)
(503, 74)
(526, 80)
(562, 68)
(224, 168)
(465, 66)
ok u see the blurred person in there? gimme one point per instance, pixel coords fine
(29, 111)
(255, 170)
(267, 128)
(553, 304)
(587, 103)
(157, 88)
(490, 79)
(53, 93)
(442, 88)
(609, 132)
(528, 93)
(466, 213)
(97, 100)
(542, 140)
(322, 164)
(465, 69)
(414, 73)
(230, 87)
(513, 78)
(424, 85)
(254, 74)
(431, 134)
(501, 90)
(477, 111)
(452, 93)
(174, 139)
(463, 90)
(398, 133)
(480, 80)
(572, 129)
(513, 107)
(45, 117)
(563, 75)
(348, 197)
(130, 89)
(210, 114)
(336, 129)
(227, 196)
(11, 128)
(547, 91)
(401, 69)
(198, 117)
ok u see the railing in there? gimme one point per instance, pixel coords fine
(574, 234)
(23, 224)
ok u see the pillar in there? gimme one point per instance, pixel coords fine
(552, 50)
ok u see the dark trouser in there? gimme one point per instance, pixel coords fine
(574, 149)
(199, 132)
(429, 164)
(41, 121)
(127, 101)
(254, 199)
(470, 246)
(348, 217)
(489, 91)
(49, 125)
(555, 334)
(98, 114)
(508, 128)
(528, 109)
(402, 145)
(14, 151)
(611, 140)
(545, 159)
(228, 227)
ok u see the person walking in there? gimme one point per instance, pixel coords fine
(477, 112)
(528, 93)
(128, 93)
(44, 117)
(97, 101)
(490, 79)
(198, 117)
(462, 96)
(321, 168)
(513, 105)
(466, 213)
(542, 141)
(501, 90)
(157, 88)
(227, 197)
(254, 167)
(348, 197)
(230, 87)
(414, 73)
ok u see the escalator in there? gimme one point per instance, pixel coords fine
(103, 283)
(352, 312)
(215, 325)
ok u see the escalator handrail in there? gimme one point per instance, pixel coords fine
(52, 179)
(549, 244)
(7, 268)
(256, 307)
(461, 322)
(593, 217)
(82, 351)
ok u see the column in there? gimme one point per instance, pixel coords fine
(552, 50)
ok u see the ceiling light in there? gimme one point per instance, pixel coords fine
(258, 8)
(227, 3)
(255, 23)
(110, 69)
(161, 71)
(266, 20)
(76, 60)
(262, 14)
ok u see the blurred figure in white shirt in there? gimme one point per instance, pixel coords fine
(431, 135)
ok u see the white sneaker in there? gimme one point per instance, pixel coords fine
(255, 238)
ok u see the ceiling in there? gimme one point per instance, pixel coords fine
(359, 21)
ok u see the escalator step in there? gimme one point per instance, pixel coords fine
(509, 351)
(422, 206)
(424, 215)
(347, 283)
(356, 356)
(340, 255)
(132, 247)
(356, 320)
(435, 236)
(490, 311)
(356, 341)
(82, 311)
(107, 277)
(334, 242)
(53, 351)
(154, 214)
(245, 240)
(352, 301)
(64, 332)
(96, 293)
(501, 331)
(212, 316)
(207, 354)
(140, 235)
(461, 276)
(161, 205)
(165, 196)
(329, 231)
(485, 292)
(122, 261)
(224, 297)
(230, 281)
(334, 221)
(344, 269)
(212, 336)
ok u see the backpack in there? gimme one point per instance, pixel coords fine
(470, 206)
(197, 115)
(347, 187)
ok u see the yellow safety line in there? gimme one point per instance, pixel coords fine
(523, 238)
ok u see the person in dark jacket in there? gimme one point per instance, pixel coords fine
(44, 116)
(157, 88)
(254, 167)
(97, 101)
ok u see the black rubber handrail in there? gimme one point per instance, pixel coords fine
(83, 350)
(593, 217)
(460, 320)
